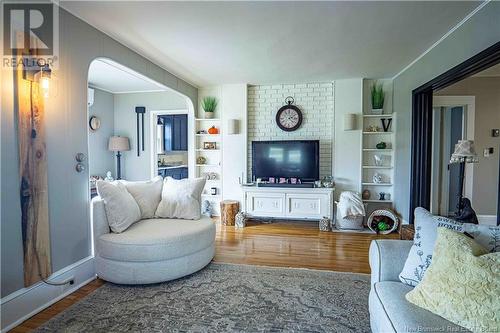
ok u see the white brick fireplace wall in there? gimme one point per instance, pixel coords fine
(316, 102)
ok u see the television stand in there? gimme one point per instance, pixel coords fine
(294, 203)
(303, 185)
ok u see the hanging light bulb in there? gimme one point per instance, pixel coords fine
(44, 80)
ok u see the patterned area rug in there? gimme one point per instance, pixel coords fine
(226, 298)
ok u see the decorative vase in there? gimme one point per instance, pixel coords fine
(377, 111)
(324, 224)
(240, 220)
(366, 195)
(381, 196)
(209, 115)
(327, 181)
(377, 178)
(213, 130)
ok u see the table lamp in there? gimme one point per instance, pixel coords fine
(464, 153)
(118, 144)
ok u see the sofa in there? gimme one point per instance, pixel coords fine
(150, 250)
(389, 309)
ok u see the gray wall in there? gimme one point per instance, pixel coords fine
(66, 135)
(100, 158)
(487, 116)
(479, 32)
(139, 167)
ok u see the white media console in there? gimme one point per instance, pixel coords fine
(288, 202)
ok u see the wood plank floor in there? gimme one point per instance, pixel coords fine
(282, 243)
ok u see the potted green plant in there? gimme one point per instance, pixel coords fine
(209, 104)
(378, 96)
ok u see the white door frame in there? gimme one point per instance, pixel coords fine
(468, 102)
(153, 130)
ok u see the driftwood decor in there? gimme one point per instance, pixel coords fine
(33, 178)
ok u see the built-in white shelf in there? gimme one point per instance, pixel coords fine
(378, 201)
(208, 165)
(376, 184)
(377, 132)
(377, 115)
(216, 196)
(210, 150)
(207, 119)
(207, 134)
(376, 149)
(376, 167)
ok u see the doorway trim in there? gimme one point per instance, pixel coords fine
(421, 138)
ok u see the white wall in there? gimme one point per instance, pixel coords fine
(100, 158)
(347, 144)
(316, 102)
(139, 167)
(234, 154)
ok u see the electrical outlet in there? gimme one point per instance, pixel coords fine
(495, 132)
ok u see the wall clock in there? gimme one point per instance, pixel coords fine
(94, 123)
(289, 116)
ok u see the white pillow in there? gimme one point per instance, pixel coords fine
(426, 224)
(121, 209)
(147, 194)
(181, 198)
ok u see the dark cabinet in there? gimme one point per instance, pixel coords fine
(176, 173)
(175, 132)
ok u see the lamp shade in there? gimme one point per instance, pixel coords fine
(349, 121)
(464, 152)
(118, 143)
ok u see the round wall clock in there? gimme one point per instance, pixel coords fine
(289, 116)
(94, 123)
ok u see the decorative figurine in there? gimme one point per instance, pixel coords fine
(201, 160)
(381, 145)
(206, 208)
(381, 196)
(377, 178)
(109, 178)
(378, 159)
(366, 194)
(240, 220)
(386, 124)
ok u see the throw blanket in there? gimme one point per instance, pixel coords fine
(350, 205)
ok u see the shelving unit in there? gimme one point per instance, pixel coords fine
(213, 160)
(368, 150)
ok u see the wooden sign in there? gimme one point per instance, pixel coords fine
(33, 178)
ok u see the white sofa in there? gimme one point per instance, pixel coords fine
(389, 309)
(151, 250)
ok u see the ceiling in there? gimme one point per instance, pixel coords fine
(208, 43)
(112, 77)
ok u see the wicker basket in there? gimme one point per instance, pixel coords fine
(384, 212)
(349, 223)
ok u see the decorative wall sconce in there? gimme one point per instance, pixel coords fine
(41, 76)
(233, 126)
(349, 121)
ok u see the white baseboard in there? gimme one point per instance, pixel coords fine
(487, 219)
(26, 302)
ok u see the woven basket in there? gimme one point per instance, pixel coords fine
(384, 212)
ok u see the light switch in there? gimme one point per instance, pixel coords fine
(487, 152)
(495, 132)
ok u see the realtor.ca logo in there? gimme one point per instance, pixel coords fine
(30, 34)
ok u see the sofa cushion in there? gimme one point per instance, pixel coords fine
(426, 225)
(147, 194)
(391, 312)
(120, 206)
(157, 239)
(181, 199)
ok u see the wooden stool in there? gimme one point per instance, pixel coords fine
(228, 211)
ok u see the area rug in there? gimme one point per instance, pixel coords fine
(226, 298)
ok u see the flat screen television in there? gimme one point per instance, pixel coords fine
(293, 158)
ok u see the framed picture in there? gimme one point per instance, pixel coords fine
(272, 180)
(293, 180)
(209, 145)
(283, 180)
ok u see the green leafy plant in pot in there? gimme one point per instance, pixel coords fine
(378, 97)
(209, 104)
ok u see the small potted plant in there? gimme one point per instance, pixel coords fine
(209, 104)
(378, 96)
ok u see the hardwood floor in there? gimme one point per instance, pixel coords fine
(282, 243)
